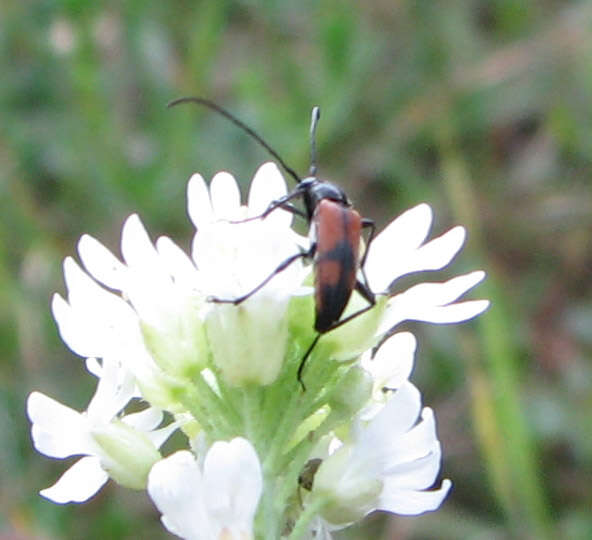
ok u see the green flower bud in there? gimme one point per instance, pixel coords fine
(248, 341)
(179, 347)
(127, 454)
(351, 393)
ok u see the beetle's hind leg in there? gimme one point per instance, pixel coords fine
(305, 358)
(364, 290)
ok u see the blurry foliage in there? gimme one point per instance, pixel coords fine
(481, 108)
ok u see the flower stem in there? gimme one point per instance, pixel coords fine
(251, 411)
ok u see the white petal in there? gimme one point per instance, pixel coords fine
(115, 389)
(93, 366)
(409, 230)
(399, 414)
(411, 503)
(416, 474)
(434, 255)
(199, 205)
(150, 289)
(268, 185)
(145, 420)
(86, 295)
(176, 487)
(160, 436)
(57, 430)
(124, 379)
(400, 238)
(97, 318)
(225, 196)
(393, 362)
(419, 445)
(178, 264)
(437, 253)
(137, 248)
(101, 263)
(77, 335)
(91, 307)
(430, 302)
(232, 479)
(441, 294)
(379, 439)
(454, 313)
(79, 483)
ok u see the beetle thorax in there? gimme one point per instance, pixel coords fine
(315, 190)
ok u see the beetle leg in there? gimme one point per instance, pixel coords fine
(280, 268)
(293, 210)
(368, 295)
(305, 358)
(366, 292)
(282, 202)
(367, 224)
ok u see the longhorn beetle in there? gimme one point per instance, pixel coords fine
(335, 233)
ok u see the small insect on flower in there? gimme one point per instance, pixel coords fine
(335, 232)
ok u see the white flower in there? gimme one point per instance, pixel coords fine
(124, 448)
(401, 243)
(392, 364)
(400, 250)
(96, 323)
(216, 501)
(248, 341)
(390, 463)
(162, 286)
(390, 368)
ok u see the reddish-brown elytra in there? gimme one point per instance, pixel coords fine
(335, 234)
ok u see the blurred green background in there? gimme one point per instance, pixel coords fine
(481, 108)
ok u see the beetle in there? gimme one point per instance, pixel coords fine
(335, 231)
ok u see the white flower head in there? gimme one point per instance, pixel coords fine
(121, 447)
(390, 463)
(218, 338)
(96, 323)
(213, 501)
(162, 287)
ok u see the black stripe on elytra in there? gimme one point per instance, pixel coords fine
(334, 297)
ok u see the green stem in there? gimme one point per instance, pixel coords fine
(268, 523)
(251, 411)
(284, 430)
(208, 409)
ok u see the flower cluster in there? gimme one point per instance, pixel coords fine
(264, 458)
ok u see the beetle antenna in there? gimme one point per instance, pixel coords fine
(316, 115)
(213, 106)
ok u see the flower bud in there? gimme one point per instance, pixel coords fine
(127, 454)
(352, 392)
(248, 341)
(178, 345)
